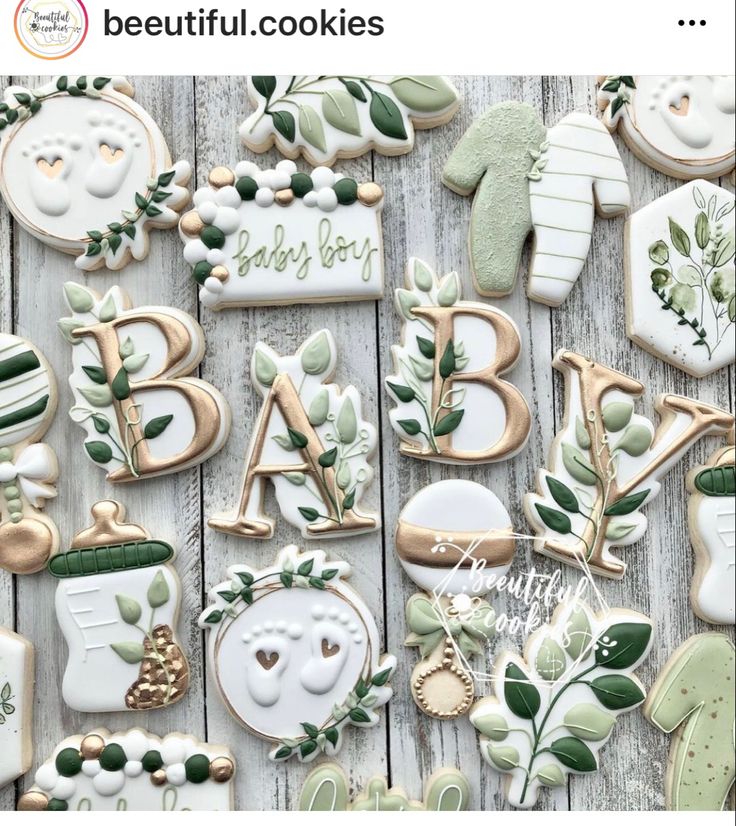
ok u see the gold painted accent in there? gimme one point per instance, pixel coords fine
(33, 802)
(91, 747)
(158, 778)
(414, 545)
(25, 546)
(440, 685)
(163, 676)
(369, 193)
(220, 273)
(191, 224)
(284, 197)
(683, 108)
(221, 176)
(110, 155)
(266, 661)
(50, 170)
(222, 769)
(329, 650)
(109, 527)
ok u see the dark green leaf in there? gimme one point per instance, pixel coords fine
(165, 178)
(307, 747)
(358, 715)
(564, 497)
(100, 82)
(265, 85)
(331, 735)
(622, 645)
(101, 423)
(316, 582)
(447, 362)
(228, 596)
(349, 501)
(99, 451)
(23, 98)
(361, 689)
(426, 347)
(213, 617)
(35, 106)
(628, 80)
(62, 83)
(627, 504)
(94, 234)
(616, 104)
(93, 249)
(82, 83)
(284, 123)
(305, 569)
(157, 426)
(310, 730)
(310, 514)
(328, 458)
(449, 423)
(287, 579)
(574, 754)
(282, 753)
(120, 386)
(680, 238)
(355, 89)
(114, 241)
(298, 439)
(129, 230)
(381, 678)
(160, 196)
(152, 211)
(615, 692)
(140, 201)
(97, 374)
(410, 426)
(556, 520)
(11, 115)
(330, 573)
(402, 393)
(386, 116)
(247, 596)
(521, 696)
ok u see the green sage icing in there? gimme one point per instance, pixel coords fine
(106, 559)
(493, 158)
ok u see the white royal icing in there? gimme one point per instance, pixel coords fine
(16, 704)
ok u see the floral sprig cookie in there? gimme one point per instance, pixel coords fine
(16, 705)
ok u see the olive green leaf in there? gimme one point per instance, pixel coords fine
(347, 423)
(130, 609)
(265, 368)
(296, 478)
(449, 290)
(424, 93)
(78, 298)
(618, 530)
(316, 356)
(577, 632)
(554, 519)
(492, 726)
(551, 775)
(550, 662)
(725, 250)
(406, 301)
(581, 435)
(521, 696)
(135, 363)
(99, 452)
(504, 758)
(702, 230)
(617, 415)
(574, 754)
(627, 504)
(311, 128)
(319, 408)
(131, 652)
(108, 310)
(340, 111)
(623, 644)
(158, 591)
(680, 239)
(157, 426)
(636, 440)
(615, 692)
(66, 326)
(577, 465)
(588, 722)
(98, 396)
(422, 276)
(564, 497)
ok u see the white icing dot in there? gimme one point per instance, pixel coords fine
(75, 142)
(173, 751)
(247, 637)
(203, 195)
(268, 626)
(257, 629)
(264, 178)
(213, 285)
(322, 176)
(176, 774)
(344, 618)
(287, 167)
(352, 627)
(64, 788)
(108, 783)
(358, 639)
(228, 197)
(295, 631)
(280, 180)
(207, 298)
(318, 611)
(94, 118)
(449, 539)
(246, 169)
(438, 538)
(605, 652)
(310, 199)
(227, 219)
(133, 768)
(135, 745)
(208, 212)
(264, 197)
(195, 251)
(327, 200)
(91, 767)
(46, 776)
(216, 257)
(281, 627)
(332, 613)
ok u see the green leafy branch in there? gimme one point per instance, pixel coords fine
(29, 102)
(6, 707)
(619, 86)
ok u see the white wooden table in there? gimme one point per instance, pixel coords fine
(200, 117)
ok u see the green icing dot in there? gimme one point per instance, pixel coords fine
(213, 238)
(15, 506)
(301, 183)
(113, 758)
(69, 762)
(346, 190)
(152, 761)
(16, 517)
(202, 272)
(197, 768)
(55, 805)
(6, 454)
(12, 492)
(247, 188)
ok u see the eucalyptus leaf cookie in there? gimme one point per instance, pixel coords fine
(682, 125)
(16, 705)
(28, 469)
(133, 771)
(86, 170)
(279, 236)
(328, 117)
(295, 653)
(527, 177)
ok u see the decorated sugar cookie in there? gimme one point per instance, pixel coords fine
(85, 169)
(278, 236)
(607, 462)
(327, 789)
(325, 118)
(117, 604)
(28, 469)
(694, 698)
(143, 414)
(451, 404)
(553, 710)
(530, 178)
(311, 442)
(712, 523)
(682, 125)
(294, 652)
(680, 286)
(133, 771)
(16, 706)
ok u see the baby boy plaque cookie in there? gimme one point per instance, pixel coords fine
(279, 236)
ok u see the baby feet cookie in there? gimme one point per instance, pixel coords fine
(133, 771)
(451, 404)
(117, 604)
(553, 710)
(143, 414)
(16, 705)
(607, 462)
(329, 117)
(85, 169)
(680, 286)
(278, 236)
(28, 469)
(530, 178)
(326, 789)
(682, 125)
(294, 652)
(311, 442)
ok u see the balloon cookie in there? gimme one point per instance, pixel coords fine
(553, 710)
(326, 789)
(606, 463)
(278, 236)
(682, 125)
(451, 404)
(530, 178)
(85, 169)
(16, 706)
(143, 414)
(694, 698)
(313, 444)
(712, 522)
(680, 286)
(326, 117)
(28, 470)
(300, 675)
(133, 771)
(117, 604)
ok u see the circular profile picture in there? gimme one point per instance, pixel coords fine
(51, 29)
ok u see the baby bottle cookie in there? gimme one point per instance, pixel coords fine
(16, 705)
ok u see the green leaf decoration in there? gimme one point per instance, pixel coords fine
(617, 415)
(131, 652)
(305, 569)
(622, 645)
(102, 425)
(319, 408)
(659, 253)
(66, 326)
(554, 519)
(449, 423)
(213, 617)
(135, 363)
(78, 298)
(120, 386)
(423, 370)
(381, 678)
(702, 230)
(627, 504)
(296, 478)
(5, 693)
(265, 85)
(422, 276)
(340, 111)
(581, 435)
(564, 497)
(618, 530)
(347, 423)
(424, 93)
(577, 632)
(282, 753)
(732, 309)
(492, 726)
(158, 591)
(551, 775)
(283, 442)
(717, 481)
(129, 608)
(108, 311)
(402, 393)
(358, 715)
(410, 426)
(588, 722)
(140, 201)
(311, 128)
(386, 117)
(349, 501)
(725, 250)
(521, 696)
(328, 458)
(577, 465)
(310, 514)
(284, 124)
(449, 290)
(344, 476)
(407, 301)
(447, 362)
(99, 452)
(298, 440)
(98, 396)
(96, 374)
(550, 662)
(680, 238)
(616, 692)
(574, 754)
(62, 83)
(265, 368)
(636, 440)
(307, 747)
(504, 758)
(426, 347)
(310, 730)
(157, 426)
(245, 578)
(287, 579)
(316, 356)
(165, 178)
